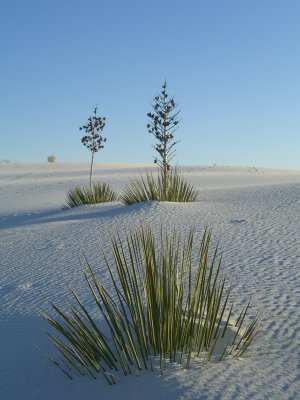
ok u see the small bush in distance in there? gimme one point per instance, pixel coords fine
(151, 189)
(51, 159)
(161, 307)
(99, 193)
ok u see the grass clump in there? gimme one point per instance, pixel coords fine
(99, 193)
(151, 189)
(162, 308)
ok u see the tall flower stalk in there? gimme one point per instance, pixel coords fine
(93, 139)
(163, 122)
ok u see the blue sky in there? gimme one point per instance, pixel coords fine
(233, 66)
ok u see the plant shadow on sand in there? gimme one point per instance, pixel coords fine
(85, 212)
(19, 336)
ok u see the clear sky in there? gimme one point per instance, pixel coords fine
(232, 65)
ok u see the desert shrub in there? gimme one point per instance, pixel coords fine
(51, 159)
(99, 193)
(151, 189)
(162, 308)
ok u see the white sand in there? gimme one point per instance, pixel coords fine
(254, 213)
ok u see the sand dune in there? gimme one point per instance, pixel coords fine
(253, 213)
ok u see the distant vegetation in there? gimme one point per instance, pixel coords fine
(51, 159)
(169, 185)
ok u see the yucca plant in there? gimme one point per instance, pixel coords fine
(93, 139)
(151, 189)
(162, 307)
(99, 193)
(162, 124)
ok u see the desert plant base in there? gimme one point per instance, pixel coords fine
(100, 193)
(161, 308)
(151, 189)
